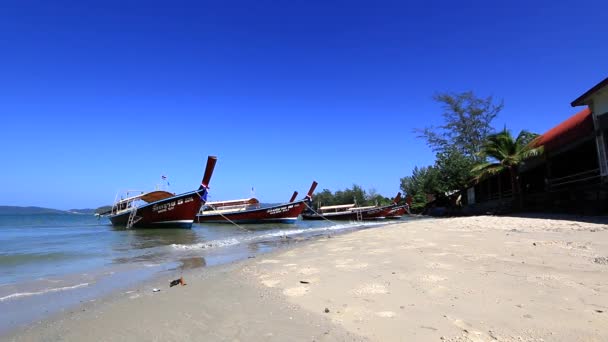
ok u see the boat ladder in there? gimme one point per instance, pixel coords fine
(133, 218)
(359, 215)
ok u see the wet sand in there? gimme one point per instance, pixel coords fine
(459, 279)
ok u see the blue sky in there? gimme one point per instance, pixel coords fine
(96, 97)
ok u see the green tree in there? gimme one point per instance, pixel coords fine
(423, 181)
(323, 198)
(454, 170)
(372, 197)
(507, 154)
(467, 123)
(356, 194)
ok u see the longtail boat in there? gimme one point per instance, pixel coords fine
(398, 211)
(350, 212)
(161, 209)
(249, 210)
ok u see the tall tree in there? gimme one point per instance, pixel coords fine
(454, 170)
(423, 181)
(356, 194)
(507, 153)
(323, 198)
(467, 122)
(372, 197)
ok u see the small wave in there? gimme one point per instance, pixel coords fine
(275, 234)
(207, 245)
(290, 232)
(27, 294)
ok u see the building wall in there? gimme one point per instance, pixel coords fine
(599, 107)
(600, 103)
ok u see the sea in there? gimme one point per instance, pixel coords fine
(52, 262)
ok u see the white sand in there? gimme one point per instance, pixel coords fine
(460, 279)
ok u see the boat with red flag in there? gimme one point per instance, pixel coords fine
(350, 212)
(249, 210)
(161, 209)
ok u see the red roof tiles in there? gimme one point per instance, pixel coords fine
(578, 126)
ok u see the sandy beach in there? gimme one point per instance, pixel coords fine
(478, 278)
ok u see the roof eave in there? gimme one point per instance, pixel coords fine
(584, 99)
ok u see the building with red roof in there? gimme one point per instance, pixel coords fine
(571, 176)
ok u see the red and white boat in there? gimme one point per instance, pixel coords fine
(350, 212)
(400, 210)
(161, 209)
(249, 210)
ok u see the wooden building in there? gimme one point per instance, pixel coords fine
(571, 176)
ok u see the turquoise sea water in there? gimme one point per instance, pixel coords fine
(50, 262)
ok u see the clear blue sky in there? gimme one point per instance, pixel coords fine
(101, 96)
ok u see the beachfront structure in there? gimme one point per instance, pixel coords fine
(571, 176)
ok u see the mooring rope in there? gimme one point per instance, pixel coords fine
(322, 216)
(227, 219)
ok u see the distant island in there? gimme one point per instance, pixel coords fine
(16, 210)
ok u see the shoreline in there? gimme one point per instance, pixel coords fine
(33, 300)
(212, 280)
(477, 278)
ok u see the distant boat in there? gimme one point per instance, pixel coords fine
(398, 211)
(350, 212)
(249, 210)
(161, 209)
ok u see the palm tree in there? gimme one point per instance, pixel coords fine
(507, 153)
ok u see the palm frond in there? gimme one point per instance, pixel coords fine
(532, 152)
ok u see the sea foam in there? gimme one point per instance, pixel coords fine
(27, 294)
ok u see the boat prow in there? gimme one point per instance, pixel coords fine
(162, 209)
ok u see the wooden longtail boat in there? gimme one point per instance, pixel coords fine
(162, 209)
(349, 212)
(400, 210)
(249, 210)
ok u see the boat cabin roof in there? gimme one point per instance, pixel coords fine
(363, 208)
(245, 201)
(148, 197)
(335, 207)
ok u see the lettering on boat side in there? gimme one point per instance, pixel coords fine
(275, 211)
(161, 208)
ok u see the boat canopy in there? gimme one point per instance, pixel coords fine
(336, 207)
(362, 208)
(148, 197)
(154, 196)
(245, 201)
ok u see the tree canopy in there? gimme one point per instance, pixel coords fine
(507, 154)
(355, 194)
(424, 180)
(467, 121)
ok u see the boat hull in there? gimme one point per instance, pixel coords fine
(283, 213)
(173, 212)
(352, 215)
(397, 212)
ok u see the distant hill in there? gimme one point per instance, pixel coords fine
(104, 209)
(87, 211)
(14, 210)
